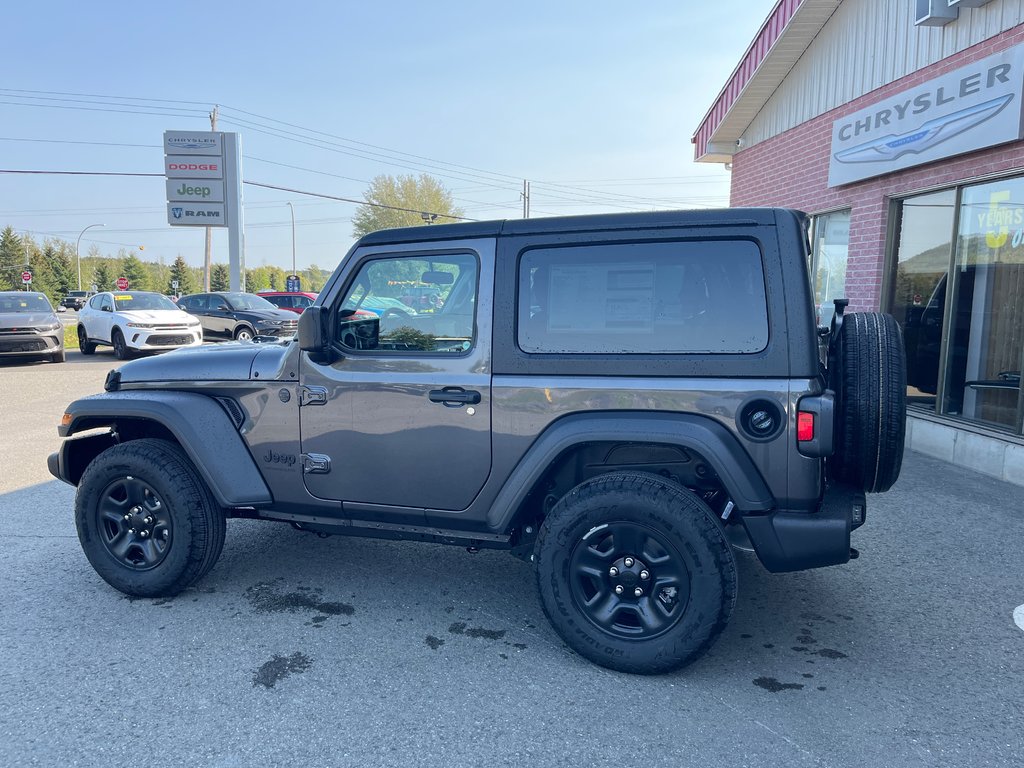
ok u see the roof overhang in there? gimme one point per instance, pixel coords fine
(778, 45)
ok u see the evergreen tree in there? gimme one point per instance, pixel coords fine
(12, 260)
(135, 271)
(64, 278)
(220, 277)
(181, 272)
(102, 277)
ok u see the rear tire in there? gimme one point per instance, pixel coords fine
(85, 346)
(663, 542)
(872, 408)
(153, 484)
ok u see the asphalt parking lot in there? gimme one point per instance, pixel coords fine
(305, 651)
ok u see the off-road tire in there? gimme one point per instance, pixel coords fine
(85, 346)
(121, 351)
(872, 407)
(197, 522)
(676, 523)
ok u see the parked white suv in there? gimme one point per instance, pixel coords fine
(135, 321)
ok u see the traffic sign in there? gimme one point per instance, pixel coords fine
(292, 283)
(122, 283)
(26, 277)
(174, 284)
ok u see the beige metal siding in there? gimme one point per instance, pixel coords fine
(865, 45)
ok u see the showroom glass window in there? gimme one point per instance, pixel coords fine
(918, 299)
(985, 335)
(830, 245)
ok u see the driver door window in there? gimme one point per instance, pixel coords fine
(411, 305)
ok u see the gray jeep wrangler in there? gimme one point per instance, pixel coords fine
(619, 400)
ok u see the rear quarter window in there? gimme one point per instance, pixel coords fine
(643, 298)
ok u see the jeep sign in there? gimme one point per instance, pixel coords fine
(188, 190)
(968, 109)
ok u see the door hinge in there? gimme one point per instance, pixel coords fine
(312, 395)
(316, 463)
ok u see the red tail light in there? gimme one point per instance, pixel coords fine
(804, 426)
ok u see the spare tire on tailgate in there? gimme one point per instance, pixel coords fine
(868, 372)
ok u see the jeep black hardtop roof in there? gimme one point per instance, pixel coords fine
(719, 217)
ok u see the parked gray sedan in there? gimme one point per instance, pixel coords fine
(29, 326)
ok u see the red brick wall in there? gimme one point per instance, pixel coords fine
(791, 170)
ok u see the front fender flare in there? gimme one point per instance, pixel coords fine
(716, 444)
(199, 424)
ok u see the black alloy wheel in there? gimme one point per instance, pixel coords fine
(629, 580)
(134, 524)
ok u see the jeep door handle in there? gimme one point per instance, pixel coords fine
(454, 396)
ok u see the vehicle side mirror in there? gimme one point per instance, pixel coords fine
(222, 308)
(313, 333)
(105, 308)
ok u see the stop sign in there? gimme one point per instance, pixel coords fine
(26, 277)
(122, 283)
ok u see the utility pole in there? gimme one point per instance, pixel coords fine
(526, 199)
(208, 262)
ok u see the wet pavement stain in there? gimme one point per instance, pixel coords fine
(768, 645)
(746, 637)
(265, 598)
(828, 653)
(280, 667)
(459, 628)
(772, 685)
(433, 642)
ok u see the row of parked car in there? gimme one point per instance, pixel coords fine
(144, 321)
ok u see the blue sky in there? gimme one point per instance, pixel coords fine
(600, 99)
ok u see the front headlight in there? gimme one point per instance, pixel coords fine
(268, 322)
(194, 323)
(52, 327)
(141, 325)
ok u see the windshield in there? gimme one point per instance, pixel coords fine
(247, 301)
(24, 302)
(132, 301)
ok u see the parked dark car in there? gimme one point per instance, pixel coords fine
(293, 301)
(236, 315)
(76, 299)
(29, 326)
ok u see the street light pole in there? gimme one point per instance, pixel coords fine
(292, 209)
(78, 257)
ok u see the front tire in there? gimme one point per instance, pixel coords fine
(57, 357)
(244, 334)
(121, 351)
(635, 574)
(147, 522)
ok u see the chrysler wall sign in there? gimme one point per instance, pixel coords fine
(971, 108)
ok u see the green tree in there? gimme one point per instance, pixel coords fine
(418, 194)
(220, 278)
(135, 271)
(64, 276)
(102, 277)
(12, 260)
(181, 272)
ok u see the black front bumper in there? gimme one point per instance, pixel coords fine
(796, 541)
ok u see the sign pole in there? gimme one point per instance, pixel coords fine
(233, 210)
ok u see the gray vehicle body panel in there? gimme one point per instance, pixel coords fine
(198, 422)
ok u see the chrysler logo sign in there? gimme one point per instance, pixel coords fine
(972, 108)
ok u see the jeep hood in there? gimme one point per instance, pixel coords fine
(232, 361)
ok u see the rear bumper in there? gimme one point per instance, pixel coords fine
(796, 541)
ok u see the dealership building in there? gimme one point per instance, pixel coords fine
(897, 125)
